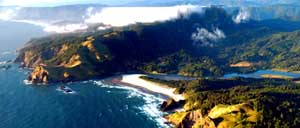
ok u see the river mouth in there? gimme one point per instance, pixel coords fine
(259, 74)
(264, 74)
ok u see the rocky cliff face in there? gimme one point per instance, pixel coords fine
(39, 75)
(192, 119)
(64, 61)
(221, 116)
(171, 104)
(34, 56)
(28, 59)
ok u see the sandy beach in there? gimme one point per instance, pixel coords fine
(135, 80)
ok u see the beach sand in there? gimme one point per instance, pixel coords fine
(135, 80)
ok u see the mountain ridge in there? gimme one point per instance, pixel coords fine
(128, 48)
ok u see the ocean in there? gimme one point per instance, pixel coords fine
(95, 103)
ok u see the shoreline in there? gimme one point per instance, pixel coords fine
(285, 70)
(134, 80)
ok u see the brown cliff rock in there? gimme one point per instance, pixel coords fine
(39, 75)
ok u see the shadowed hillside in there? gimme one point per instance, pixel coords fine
(199, 44)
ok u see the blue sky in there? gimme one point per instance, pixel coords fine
(27, 3)
(45, 3)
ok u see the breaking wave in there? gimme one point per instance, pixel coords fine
(151, 106)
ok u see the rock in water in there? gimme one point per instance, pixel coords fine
(39, 75)
(171, 104)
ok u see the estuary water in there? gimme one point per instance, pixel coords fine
(259, 73)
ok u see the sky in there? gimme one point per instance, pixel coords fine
(45, 3)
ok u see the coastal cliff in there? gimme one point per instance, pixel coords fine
(65, 61)
(220, 116)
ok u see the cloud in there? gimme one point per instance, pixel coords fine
(243, 15)
(107, 17)
(7, 14)
(65, 28)
(122, 16)
(203, 37)
(53, 28)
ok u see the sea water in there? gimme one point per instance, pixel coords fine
(95, 103)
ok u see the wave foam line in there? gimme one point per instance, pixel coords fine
(150, 108)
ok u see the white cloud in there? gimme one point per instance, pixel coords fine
(52, 28)
(89, 11)
(8, 13)
(122, 16)
(110, 16)
(203, 37)
(243, 15)
(65, 28)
